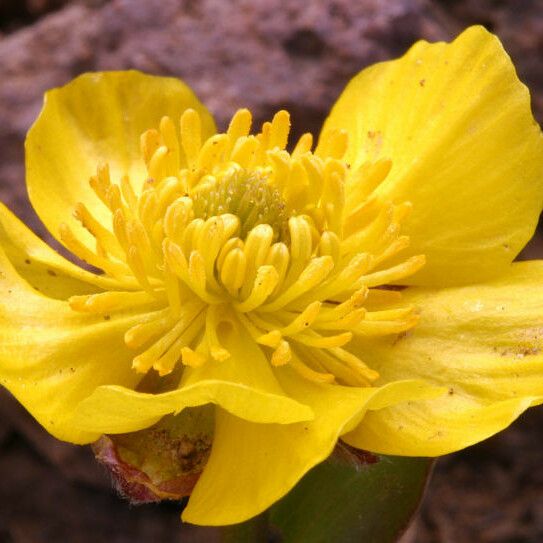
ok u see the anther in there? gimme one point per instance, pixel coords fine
(191, 136)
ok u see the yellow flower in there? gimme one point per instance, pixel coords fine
(259, 279)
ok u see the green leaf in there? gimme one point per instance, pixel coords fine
(348, 500)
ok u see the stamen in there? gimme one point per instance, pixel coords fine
(409, 267)
(307, 373)
(145, 361)
(330, 244)
(115, 269)
(324, 342)
(279, 257)
(233, 270)
(348, 322)
(352, 374)
(103, 236)
(128, 194)
(315, 272)
(140, 334)
(304, 145)
(282, 354)
(209, 245)
(333, 144)
(213, 319)
(239, 126)
(178, 215)
(212, 151)
(382, 297)
(355, 363)
(198, 356)
(149, 143)
(245, 150)
(192, 358)
(271, 339)
(191, 137)
(354, 303)
(384, 328)
(166, 363)
(108, 302)
(101, 182)
(279, 130)
(303, 320)
(392, 249)
(135, 263)
(235, 227)
(113, 198)
(169, 138)
(193, 275)
(344, 280)
(265, 282)
(367, 178)
(160, 165)
(173, 290)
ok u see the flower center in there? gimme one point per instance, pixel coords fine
(249, 196)
(290, 246)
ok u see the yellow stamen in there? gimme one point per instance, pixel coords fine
(309, 374)
(166, 363)
(354, 303)
(191, 358)
(103, 236)
(265, 281)
(282, 354)
(316, 271)
(239, 126)
(149, 143)
(409, 267)
(115, 269)
(146, 360)
(303, 320)
(235, 228)
(324, 342)
(384, 328)
(304, 145)
(191, 136)
(233, 270)
(213, 320)
(348, 322)
(140, 334)
(108, 302)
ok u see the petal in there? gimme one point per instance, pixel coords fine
(253, 465)
(456, 123)
(52, 357)
(243, 384)
(42, 267)
(484, 343)
(97, 117)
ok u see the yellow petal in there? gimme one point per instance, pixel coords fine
(483, 343)
(243, 385)
(52, 357)
(465, 150)
(98, 117)
(253, 465)
(42, 267)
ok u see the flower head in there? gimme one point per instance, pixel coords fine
(236, 231)
(266, 281)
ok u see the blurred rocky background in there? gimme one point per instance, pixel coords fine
(261, 54)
